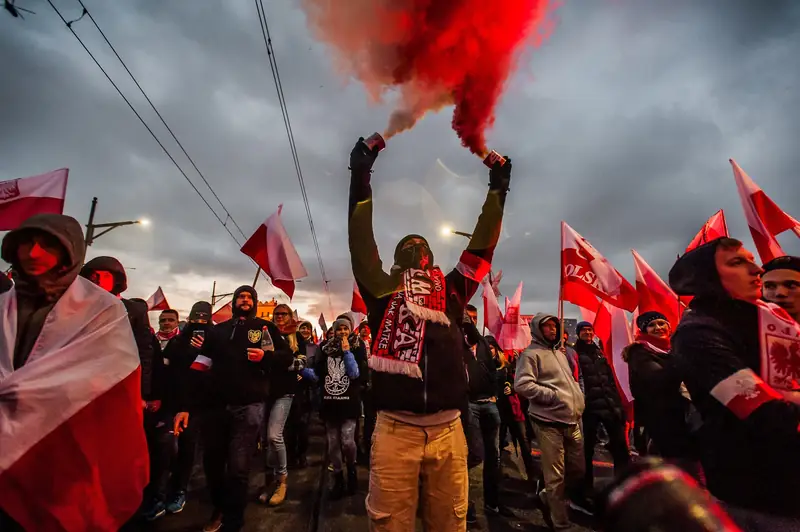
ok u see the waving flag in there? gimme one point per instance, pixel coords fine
(22, 198)
(714, 228)
(587, 275)
(510, 329)
(157, 301)
(654, 293)
(613, 329)
(765, 219)
(271, 248)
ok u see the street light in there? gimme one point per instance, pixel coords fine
(91, 236)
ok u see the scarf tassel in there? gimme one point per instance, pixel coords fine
(398, 367)
(427, 314)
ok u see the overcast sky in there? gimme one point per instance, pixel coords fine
(621, 124)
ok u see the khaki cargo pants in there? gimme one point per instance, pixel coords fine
(403, 454)
(563, 465)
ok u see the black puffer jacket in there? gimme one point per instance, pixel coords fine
(481, 366)
(444, 383)
(660, 407)
(751, 462)
(600, 388)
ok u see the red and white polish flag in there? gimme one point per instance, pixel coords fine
(357, 304)
(157, 301)
(73, 454)
(22, 198)
(716, 227)
(224, 313)
(586, 275)
(654, 293)
(765, 219)
(272, 249)
(612, 327)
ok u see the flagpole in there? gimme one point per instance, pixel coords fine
(561, 291)
(258, 272)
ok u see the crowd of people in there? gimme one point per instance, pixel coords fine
(421, 396)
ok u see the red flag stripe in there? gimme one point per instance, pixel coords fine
(99, 486)
(743, 392)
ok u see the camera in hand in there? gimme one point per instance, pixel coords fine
(654, 496)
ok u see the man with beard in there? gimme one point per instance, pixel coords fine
(240, 354)
(781, 284)
(72, 449)
(737, 355)
(418, 378)
(603, 406)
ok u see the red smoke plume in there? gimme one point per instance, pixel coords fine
(434, 52)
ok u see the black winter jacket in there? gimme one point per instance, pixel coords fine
(179, 392)
(149, 357)
(752, 462)
(283, 381)
(481, 367)
(660, 407)
(235, 379)
(600, 388)
(444, 383)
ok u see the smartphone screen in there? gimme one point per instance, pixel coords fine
(199, 333)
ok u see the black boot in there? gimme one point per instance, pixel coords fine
(352, 480)
(337, 492)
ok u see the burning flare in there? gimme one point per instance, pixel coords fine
(435, 52)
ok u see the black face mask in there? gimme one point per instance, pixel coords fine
(416, 256)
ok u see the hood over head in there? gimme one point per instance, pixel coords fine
(536, 331)
(405, 259)
(69, 234)
(111, 265)
(695, 273)
(252, 312)
(200, 311)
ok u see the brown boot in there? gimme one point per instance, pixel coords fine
(280, 491)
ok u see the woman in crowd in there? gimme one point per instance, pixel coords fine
(655, 382)
(283, 385)
(340, 369)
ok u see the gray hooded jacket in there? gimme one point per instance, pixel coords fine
(545, 378)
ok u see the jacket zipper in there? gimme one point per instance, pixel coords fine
(561, 366)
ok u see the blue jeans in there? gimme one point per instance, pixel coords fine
(275, 422)
(229, 440)
(483, 436)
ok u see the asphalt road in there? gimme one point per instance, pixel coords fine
(307, 508)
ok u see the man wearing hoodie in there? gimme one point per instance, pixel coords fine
(418, 377)
(738, 360)
(51, 315)
(781, 284)
(555, 404)
(108, 274)
(240, 354)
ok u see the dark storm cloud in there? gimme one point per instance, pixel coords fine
(621, 124)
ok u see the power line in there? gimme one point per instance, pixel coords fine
(273, 63)
(222, 222)
(152, 106)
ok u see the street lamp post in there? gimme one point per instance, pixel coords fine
(91, 235)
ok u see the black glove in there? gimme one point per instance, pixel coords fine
(500, 176)
(362, 158)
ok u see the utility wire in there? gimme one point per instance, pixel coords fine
(273, 63)
(152, 106)
(222, 222)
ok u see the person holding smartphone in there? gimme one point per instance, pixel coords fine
(231, 374)
(171, 478)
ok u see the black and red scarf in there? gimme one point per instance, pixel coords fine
(397, 344)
